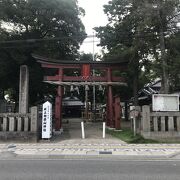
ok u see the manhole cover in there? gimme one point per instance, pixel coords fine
(11, 146)
(105, 152)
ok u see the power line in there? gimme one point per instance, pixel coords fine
(73, 38)
(33, 45)
(33, 42)
(45, 39)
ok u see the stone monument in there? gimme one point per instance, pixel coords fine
(23, 89)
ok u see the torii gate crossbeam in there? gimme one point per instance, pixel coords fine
(60, 80)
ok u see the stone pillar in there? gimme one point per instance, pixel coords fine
(155, 119)
(23, 89)
(19, 124)
(178, 123)
(146, 119)
(5, 124)
(12, 124)
(26, 124)
(34, 119)
(171, 124)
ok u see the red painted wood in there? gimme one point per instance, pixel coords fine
(106, 66)
(57, 113)
(73, 78)
(112, 117)
(99, 79)
(86, 70)
(52, 78)
(80, 78)
(79, 66)
(110, 99)
(109, 74)
(110, 106)
(55, 66)
(58, 103)
(117, 113)
(118, 79)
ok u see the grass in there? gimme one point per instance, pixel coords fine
(127, 135)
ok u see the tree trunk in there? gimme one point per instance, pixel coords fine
(1, 93)
(136, 80)
(165, 76)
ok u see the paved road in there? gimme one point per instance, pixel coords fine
(88, 170)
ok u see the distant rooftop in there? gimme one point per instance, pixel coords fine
(72, 101)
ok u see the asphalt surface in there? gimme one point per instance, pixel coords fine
(68, 157)
(86, 169)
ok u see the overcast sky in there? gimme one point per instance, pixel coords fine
(94, 17)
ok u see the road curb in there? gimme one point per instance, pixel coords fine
(91, 157)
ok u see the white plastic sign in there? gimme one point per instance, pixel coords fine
(47, 120)
(165, 102)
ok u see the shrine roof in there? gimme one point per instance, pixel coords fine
(41, 59)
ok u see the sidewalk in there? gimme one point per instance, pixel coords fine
(70, 144)
(90, 149)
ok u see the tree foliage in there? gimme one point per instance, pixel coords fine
(43, 19)
(140, 31)
(48, 28)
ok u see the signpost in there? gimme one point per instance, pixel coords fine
(47, 120)
(165, 102)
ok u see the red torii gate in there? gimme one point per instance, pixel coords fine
(86, 78)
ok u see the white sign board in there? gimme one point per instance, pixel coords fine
(47, 120)
(165, 102)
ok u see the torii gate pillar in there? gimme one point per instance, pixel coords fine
(58, 103)
(106, 79)
(110, 120)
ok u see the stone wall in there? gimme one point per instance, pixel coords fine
(18, 126)
(160, 125)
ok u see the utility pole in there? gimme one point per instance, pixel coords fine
(164, 64)
(94, 87)
(86, 102)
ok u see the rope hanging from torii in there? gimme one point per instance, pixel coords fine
(86, 83)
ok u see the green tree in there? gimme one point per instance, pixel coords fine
(174, 62)
(162, 17)
(86, 57)
(48, 28)
(140, 31)
(122, 37)
(43, 19)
